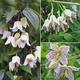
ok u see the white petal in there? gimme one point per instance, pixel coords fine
(51, 55)
(6, 34)
(31, 64)
(25, 62)
(59, 72)
(25, 37)
(21, 45)
(64, 49)
(63, 59)
(11, 66)
(13, 42)
(54, 46)
(70, 75)
(8, 40)
(24, 22)
(17, 25)
(16, 59)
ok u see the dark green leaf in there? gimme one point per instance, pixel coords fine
(10, 75)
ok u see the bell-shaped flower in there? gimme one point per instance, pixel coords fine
(17, 26)
(23, 40)
(37, 53)
(69, 14)
(24, 22)
(63, 25)
(14, 63)
(6, 34)
(16, 59)
(67, 71)
(46, 25)
(30, 60)
(11, 40)
(11, 66)
(58, 53)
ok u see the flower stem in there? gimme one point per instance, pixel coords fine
(71, 3)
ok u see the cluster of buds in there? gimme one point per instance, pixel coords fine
(17, 36)
(58, 61)
(30, 60)
(59, 23)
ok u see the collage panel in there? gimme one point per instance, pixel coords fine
(19, 48)
(60, 21)
(60, 61)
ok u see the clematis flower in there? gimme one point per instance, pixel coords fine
(11, 40)
(69, 14)
(50, 23)
(6, 34)
(16, 59)
(63, 25)
(24, 22)
(37, 53)
(30, 60)
(46, 24)
(23, 40)
(17, 25)
(14, 63)
(58, 53)
(67, 71)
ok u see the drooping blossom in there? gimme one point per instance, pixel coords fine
(18, 40)
(14, 63)
(67, 71)
(63, 25)
(59, 23)
(18, 25)
(24, 22)
(11, 40)
(58, 53)
(23, 40)
(37, 53)
(30, 60)
(69, 14)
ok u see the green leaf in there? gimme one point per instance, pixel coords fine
(26, 69)
(68, 37)
(10, 75)
(1, 74)
(32, 17)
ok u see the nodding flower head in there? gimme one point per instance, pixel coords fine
(64, 70)
(14, 63)
(30, 60)
(37, 53)
(59, 53)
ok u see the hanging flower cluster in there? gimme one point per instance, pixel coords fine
(30, 60)
(59, 23)
(58, 61)
(17, 36)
